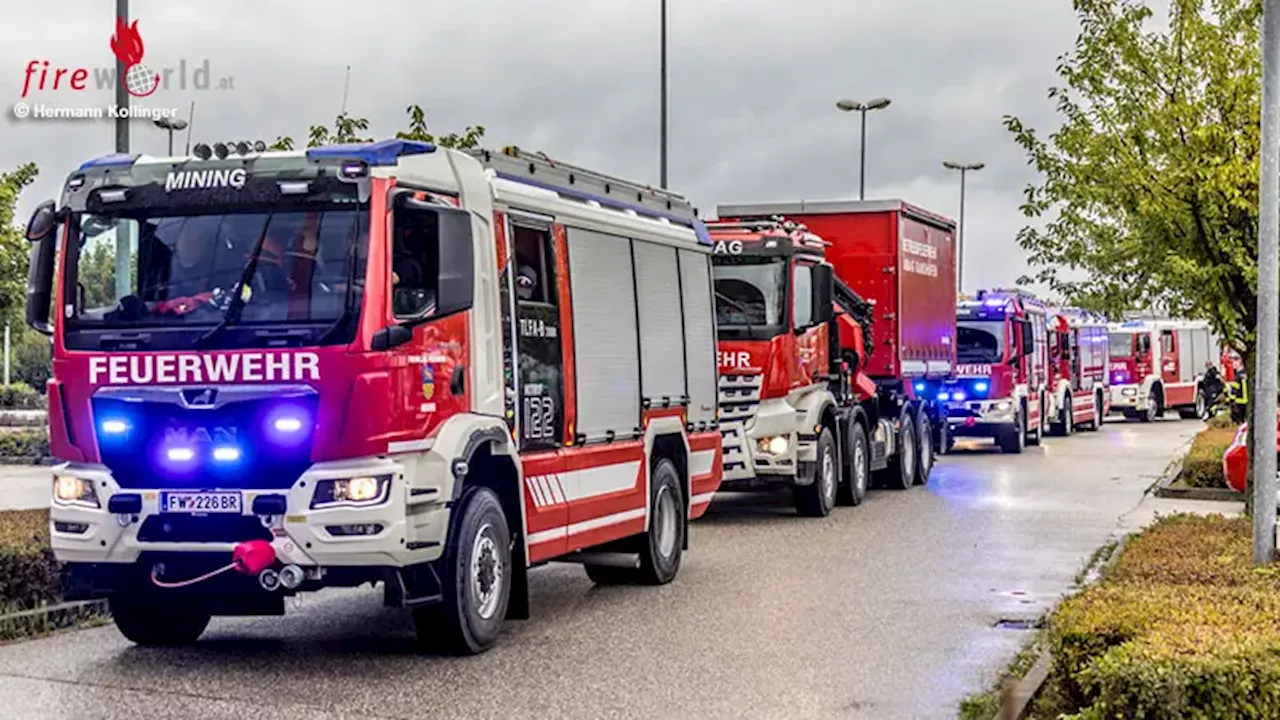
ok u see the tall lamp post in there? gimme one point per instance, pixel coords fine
(172, 125)
(861, 108)
(964, 168)
(662, 128)
(1264, 397)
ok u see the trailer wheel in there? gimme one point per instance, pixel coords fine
(475, 578)
(854, 489)
(925, 447)
(818, 497)
(1014, 439)
(901, 473)
(144, 620)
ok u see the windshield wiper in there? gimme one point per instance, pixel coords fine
(746, 314)
(236, 306)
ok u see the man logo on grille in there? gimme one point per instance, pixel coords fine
(138, 79)
(200, 398)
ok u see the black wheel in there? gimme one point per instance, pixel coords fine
(1096, 423)
(1152, 412)
(901, 473)
(662, 545)
(858, 475)
(1014, 439)
(145, 619)
(818, 497)
(1066, 417)
(1196, 412)
(925, 449)
(1034, 437)
(475, 577)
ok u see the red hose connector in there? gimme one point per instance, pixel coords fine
(253, 556)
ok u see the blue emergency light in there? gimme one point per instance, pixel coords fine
(383, 152)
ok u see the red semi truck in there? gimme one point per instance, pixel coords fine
(791, 376)
(1002, 370)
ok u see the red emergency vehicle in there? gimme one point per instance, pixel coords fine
(791, 375)
(1078, 371)
(1157, 365)
(376, 363)
(1002, 369)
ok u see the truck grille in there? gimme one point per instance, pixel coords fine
(739, 397)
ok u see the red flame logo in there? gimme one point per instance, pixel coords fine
(127, 43)
(138, 79)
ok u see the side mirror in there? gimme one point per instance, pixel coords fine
(391, 336)
(823, 307)
(42, 221)
(456, 287)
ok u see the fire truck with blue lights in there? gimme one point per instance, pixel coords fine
(1157, 365)
(387, 363)
(1002, 369)
(1078, 390)
(808, 400)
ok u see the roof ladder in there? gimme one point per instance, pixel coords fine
(518, 165)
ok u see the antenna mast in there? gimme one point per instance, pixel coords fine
(346, 88)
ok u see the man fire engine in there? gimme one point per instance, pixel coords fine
(1002, 369)
(1078, 394)
(806, 402)
(1156, 365)
(385, 362)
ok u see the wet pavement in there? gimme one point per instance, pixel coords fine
(881, 611)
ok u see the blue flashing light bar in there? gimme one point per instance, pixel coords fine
(383, 152)
(112, 160)
(980, 386)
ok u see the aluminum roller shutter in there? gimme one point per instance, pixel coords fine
(700, 335)
(604, 330)
(662, 354)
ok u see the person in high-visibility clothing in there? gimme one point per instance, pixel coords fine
(1240, 408)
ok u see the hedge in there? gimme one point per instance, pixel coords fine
(29, 574)
(25, 443)
(20, 396)
(1183, 626)
(1203, 465)
(1222, 420)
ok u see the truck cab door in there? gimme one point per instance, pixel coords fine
(1168, 357)
(809, 316)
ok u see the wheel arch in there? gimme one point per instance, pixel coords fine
(665, 438)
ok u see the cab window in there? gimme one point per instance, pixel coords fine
(802, 297)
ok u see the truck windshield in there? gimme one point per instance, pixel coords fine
(749, 291)
(980, 341)
(175, 271)
(1121, 344)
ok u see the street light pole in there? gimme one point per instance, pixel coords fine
(963, 168)
(861, 108)
(172, 125)
(1264, 399)
(662, 128)
(122, 94)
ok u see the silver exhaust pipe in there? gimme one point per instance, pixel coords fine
(291, 576)
(269, 580)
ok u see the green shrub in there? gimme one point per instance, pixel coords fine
(20, 396)
(1222, 420)
(1203, 465)
(25, 443)
(29, 574)
(1183, 626)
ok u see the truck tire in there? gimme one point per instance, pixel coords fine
(1197, 411)
(1033, 438)
(662, 545)
(1065, 424)
(1014, 440)
(858, 478)
(1095, 424)
(146, 620)
(901, 473)
(1153, 410)
(818, 497)
(475, 575)
(924, 448)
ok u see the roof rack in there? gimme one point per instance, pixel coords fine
(518, 165)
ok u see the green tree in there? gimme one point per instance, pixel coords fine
(348, 129)
(418, 131)
(1150, 185)
(14, 248)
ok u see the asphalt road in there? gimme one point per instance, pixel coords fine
(881, 611)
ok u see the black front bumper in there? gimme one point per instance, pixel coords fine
(978, 429)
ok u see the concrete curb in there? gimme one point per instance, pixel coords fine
(1018, 697)
(1164, 487)
(26, 624)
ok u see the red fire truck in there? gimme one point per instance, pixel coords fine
(1002, 369)
(817, 402)
(1078, 395)
(1157, 365)
(375, 363)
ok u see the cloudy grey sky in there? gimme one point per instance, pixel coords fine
(753, 85)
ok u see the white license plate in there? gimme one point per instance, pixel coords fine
(200, 502)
